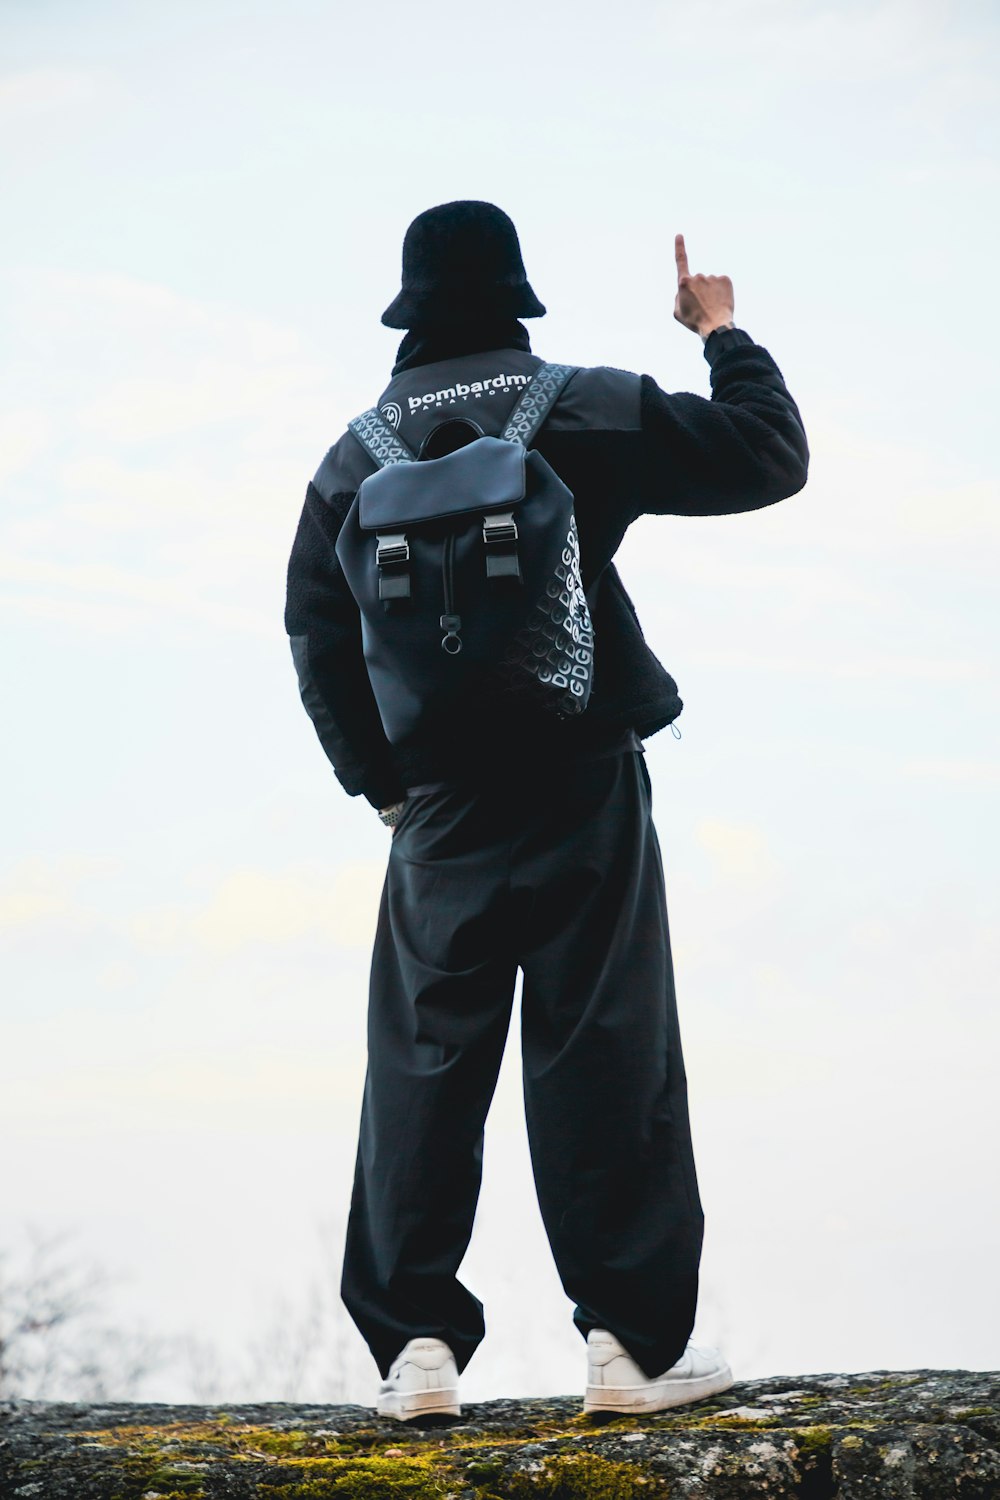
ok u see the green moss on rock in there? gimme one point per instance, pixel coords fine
(813, 1439)
(365, 1479)
(176, 1482)
(738, 1424)
(583, 1476)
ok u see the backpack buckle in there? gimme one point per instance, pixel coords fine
(391, 547)
(500, 527)
(500, 536)
(392, 551)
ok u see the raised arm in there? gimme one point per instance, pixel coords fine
(740, 450)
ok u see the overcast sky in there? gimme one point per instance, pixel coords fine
(204, 207)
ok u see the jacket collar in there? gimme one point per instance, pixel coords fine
(428, 346)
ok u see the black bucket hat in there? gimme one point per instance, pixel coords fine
(461, 260)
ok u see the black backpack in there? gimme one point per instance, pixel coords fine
(465, 564)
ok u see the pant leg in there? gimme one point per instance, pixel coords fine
(440, 999)
(604, 1082)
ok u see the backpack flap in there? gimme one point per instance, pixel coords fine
(481, 476)
(485, 474)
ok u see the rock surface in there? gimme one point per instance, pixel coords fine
(897, 1435)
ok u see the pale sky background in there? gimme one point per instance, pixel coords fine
(204, 205)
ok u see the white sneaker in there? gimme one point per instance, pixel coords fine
(616, 1383)
(422, 1380)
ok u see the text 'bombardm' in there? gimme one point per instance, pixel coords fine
(459, 391)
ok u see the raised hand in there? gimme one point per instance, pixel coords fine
(702, 302)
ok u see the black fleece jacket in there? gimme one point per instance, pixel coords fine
(625, 448)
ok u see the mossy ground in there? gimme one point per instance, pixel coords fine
(366, 1464)
(368, 1460)
(811, 1440)
(169, 1461)
(580, 1476)
(370, 1463)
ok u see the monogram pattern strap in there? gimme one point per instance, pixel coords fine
(377, 437)
(537, 401)
(551, 658)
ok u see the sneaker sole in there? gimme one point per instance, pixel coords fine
(407, 1404)
(656, 1396)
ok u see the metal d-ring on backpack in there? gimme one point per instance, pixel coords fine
(466, 569)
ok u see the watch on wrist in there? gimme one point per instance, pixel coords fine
(717, 329)
(390, 815)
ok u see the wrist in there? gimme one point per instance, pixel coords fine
(707, 328)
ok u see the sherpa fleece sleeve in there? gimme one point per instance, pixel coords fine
(324, 625)
(740, 450)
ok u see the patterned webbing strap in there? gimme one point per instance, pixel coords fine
(538, 399)
(378, 439)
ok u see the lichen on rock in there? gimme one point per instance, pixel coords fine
(882, 1435)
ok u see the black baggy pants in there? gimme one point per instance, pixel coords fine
(559, 873)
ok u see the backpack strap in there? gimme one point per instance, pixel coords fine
(379, 440)
(537, 400)
(392, 550)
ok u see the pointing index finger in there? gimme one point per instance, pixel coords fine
(680, 255)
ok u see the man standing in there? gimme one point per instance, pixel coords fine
(525, 841)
